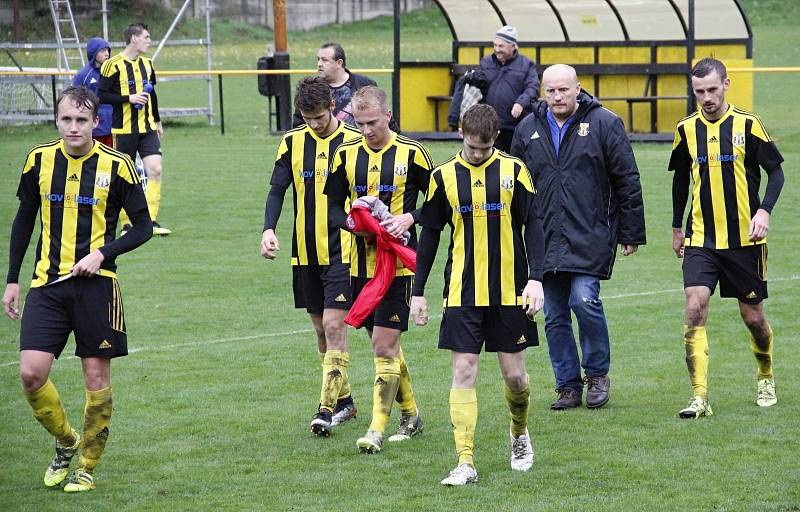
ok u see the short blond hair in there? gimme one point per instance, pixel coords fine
(369, 96)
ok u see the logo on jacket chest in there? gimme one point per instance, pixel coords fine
(583, 129)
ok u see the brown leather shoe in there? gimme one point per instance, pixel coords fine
(568, 398)
(597, 395)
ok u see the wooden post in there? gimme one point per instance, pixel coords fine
(279, 14)
(17, 32)
(281, 61)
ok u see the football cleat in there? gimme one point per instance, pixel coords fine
(160, 231)
(58, 469)
(409, 427)
(766, 393)
(372, 442)
(521, 452)
(463, 474)
(697, 407)
(321, 423)
(344, 411)
(80, 481)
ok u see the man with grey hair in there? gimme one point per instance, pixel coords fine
(589, 199)
(508, 82)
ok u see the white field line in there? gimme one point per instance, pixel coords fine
(306, 331)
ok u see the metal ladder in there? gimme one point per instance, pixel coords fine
(69, 47)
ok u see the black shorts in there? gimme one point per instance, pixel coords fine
(393, 310)
(320, 287)
(741, 272)
(503, 328)
(145, 144)
(91, 307)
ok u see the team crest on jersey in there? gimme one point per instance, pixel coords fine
(103, 180)
(400, 170)
(738, 139)
(583, 129)
(507, 182)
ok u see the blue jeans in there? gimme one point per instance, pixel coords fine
(579, 293)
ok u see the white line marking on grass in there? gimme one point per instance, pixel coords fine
(306, 331)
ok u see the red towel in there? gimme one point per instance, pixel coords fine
(389, 248)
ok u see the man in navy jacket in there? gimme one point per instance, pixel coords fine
(509, 83)
(97, 52)
(589, 197)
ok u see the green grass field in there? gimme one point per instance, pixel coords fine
(212, 405)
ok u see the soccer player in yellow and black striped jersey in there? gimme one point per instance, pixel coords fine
(127, 82)
(79, 186)
(720, 149)
(320, 251)
(491, 279)
(395, 169)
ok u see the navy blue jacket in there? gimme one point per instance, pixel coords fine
(89, 77)
(502, 85)
(590, 197)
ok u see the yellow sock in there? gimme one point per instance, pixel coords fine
(387, 380)
(334, 368)
(153, 196)
(518, 408)
(464, 417)
(695, 341)
(405, 394)
(123, 218)
(48, 411)
(96, 417)
(345, 391)
(321, 357)
(763, 355)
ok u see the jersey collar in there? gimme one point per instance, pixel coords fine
(481, 167)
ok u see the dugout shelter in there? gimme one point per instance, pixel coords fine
(634, 55)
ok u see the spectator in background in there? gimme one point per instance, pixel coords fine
(97, 52)
(332, 67)
(509, 83)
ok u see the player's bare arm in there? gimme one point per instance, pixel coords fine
(269, 244)
(678, 239)
(11, 301)
(89, 265)
(532, 297)
(759, 226)
(419, 310)
(397, 225)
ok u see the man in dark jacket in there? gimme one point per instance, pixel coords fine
(97, 52)
(332, 67)
(509, 83)
(589, 198)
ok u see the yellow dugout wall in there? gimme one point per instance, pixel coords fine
(643, 81)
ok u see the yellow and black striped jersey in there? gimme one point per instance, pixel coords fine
(723, 158)
(485, 206)
(303, 161)
(79, 201)
(396, 174)
(128, 77)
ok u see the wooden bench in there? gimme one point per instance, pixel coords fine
(646, 97)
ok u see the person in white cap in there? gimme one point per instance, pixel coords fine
(509, 83)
